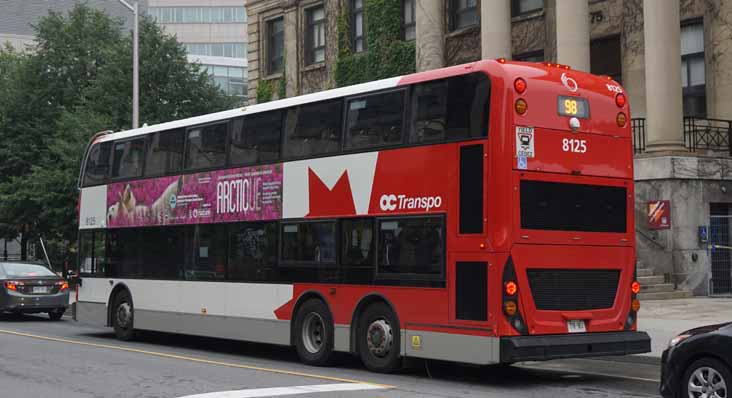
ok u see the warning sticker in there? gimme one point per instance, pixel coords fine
(524, 142)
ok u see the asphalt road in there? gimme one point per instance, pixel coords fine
(41, 358)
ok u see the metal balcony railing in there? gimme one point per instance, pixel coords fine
(703, 134)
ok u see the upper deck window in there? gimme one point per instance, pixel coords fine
(206, 146)
(97, 164)
(452, 108)
(375, 120)
(256, 138)
(314, 129)
(165, 154)
(128, 157)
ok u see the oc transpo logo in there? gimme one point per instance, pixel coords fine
(391, 202)
(570, 83)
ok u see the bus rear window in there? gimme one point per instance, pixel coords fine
(573, 207)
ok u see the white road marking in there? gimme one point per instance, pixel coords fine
(295, 390)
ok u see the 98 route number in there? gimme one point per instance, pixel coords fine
(573, 145)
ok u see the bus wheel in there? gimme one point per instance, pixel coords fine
(378, 339)
(314, 333)
(123, 316)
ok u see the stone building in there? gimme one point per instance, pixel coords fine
(673, 57)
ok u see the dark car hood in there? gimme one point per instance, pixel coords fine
(725, 327)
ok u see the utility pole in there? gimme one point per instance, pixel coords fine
(135, 64)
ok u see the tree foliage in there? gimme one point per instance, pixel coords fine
(387, 54)
(76, 81)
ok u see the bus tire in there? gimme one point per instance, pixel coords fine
(314, 333)
(123, 316)
(379, 342)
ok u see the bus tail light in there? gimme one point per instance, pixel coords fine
(510, 300)
(521, 106)
(519, 85)
(621, 119)
(511, 288)
(635, 287)
(620, 100)
(635, 305)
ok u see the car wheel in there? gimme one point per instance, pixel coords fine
(379, 339)
(314, 333)
(123, 316)
(56, 314)
(706, 377)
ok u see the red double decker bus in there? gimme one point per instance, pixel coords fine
(481, 213)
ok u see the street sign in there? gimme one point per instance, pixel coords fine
(659, 214)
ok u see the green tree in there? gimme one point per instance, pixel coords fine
(75, 82)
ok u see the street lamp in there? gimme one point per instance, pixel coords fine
(135, 66)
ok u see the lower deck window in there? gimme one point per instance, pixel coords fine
(309, 242)
(411, 245)
(403, 251)
(573, 207)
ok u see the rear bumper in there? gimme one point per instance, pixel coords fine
(541, 348)
(31, 304)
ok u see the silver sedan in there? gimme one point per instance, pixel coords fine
(32, 288)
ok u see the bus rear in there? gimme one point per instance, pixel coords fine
(568, 286)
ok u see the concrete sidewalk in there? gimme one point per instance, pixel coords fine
(665, 319)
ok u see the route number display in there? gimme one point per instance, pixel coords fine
(573, 107)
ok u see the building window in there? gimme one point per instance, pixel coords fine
(275, 45)
(519, 7)
(228, 50)
(168, 15)
(605, 58)
(409, 30)
(533, 56)
(692, 70)
(358, 36)
(315, 35)
(463, 13)
(230, 79)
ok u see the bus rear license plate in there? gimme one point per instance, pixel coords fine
(576, 326)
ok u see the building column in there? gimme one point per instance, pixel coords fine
(430, 30)
(573, 34)
(291, 76)
(718, 51)
(633, 58)
(664, 109)
(495, 29)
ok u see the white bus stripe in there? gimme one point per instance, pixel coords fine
(295, 390)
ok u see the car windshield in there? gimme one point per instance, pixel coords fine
(17, 270)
